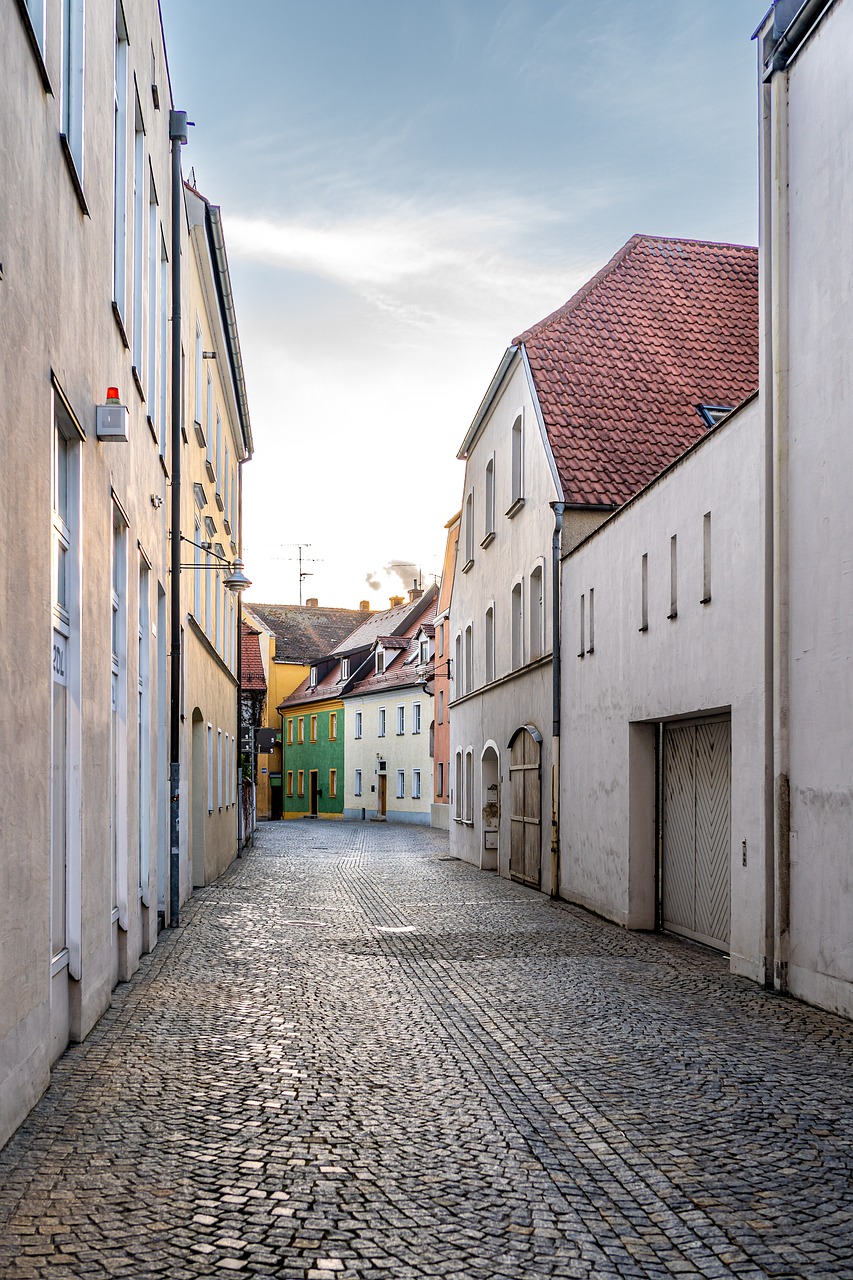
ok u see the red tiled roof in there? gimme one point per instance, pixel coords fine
(252, 671)
(666, 325)
(392, 642)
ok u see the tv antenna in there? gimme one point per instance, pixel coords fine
(303, 573)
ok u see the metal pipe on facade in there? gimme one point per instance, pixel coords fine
(556, 676)
(178, 137)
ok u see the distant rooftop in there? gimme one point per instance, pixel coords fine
(304, 633)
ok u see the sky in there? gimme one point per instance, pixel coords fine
(406, 185)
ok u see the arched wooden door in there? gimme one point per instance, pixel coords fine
(525, 854)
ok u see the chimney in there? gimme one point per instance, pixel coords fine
(312, 603)
(396, 601)
(415, 593)
(364, 606)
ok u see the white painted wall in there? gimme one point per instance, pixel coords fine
(710, 657)
(492, 713)
(811, 278)
(406, 751)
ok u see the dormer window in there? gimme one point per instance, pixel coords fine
(424, 651)
(380, 661)
(312, 679)
(345, 668)
(711, 414)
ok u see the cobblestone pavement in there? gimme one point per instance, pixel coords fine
(359, 1058)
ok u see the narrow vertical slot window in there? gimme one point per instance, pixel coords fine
(210, 768)
(401, 784)
(490, 644)
(591, 646)
(120, 168)
(358, 782)
(489, 503)
(416, 784)
(706, 558)
(673, 577)
(469, 658)
(583, 627)
(164, 343)
(644, 593)
(137, 336)
(73, 79)
(153, 310)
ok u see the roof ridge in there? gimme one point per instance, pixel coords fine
(619, 256)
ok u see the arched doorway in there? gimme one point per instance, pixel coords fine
(490, 776)
(199, 806)
(525, 850)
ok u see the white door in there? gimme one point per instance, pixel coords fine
(696, 872)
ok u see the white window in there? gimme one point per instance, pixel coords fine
(423, 651)
(401, 784)
(469, 531)
(73, 77)
(137, 335)
(458, 686)
(164, 343)
(219, 768)
(380, 662)
(208, 592)
(197, 570)
(210, 768)
(153, 311)
(381, 729)
(706, 558)
(416, 717)
(489, 502)
(469, 658)
(517, 626)
(358, 782)
(219, 449)
(469, 785)
(120, 168)
(312, 678)
(490, 643)
(517, 462)
(234, 769)
(199, 372)
(208, 430)
(416, 784)
(458, 811)
(537, 614)
(345, 671)
(401, 720)
(227, 482)
(227, 774)
(358, 724)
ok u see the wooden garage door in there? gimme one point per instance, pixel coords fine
(696, 873)
(525, 816)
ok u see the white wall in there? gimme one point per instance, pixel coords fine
(406, 751)
(816, 297)
(708, 658)
(493, 713)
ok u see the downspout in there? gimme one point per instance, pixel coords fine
(778, 351)
(178, 137)
(238, 763)
(558, 508)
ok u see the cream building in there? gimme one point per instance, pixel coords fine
(85, 377)
(388, 717)
(217, 441)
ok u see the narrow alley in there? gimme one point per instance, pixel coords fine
(360, 1058)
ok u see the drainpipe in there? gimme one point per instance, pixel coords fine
(558, 508)
(778, 352)
(238, 764)
(178, 137)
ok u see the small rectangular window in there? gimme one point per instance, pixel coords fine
(673, 577)
(290, 782)
(290, 733)
(358, 724)
(210, 768)
(300, 730)
(517, 463)
(380, 662)
(333, 726)
(401, 720)
(313, 729)
(644, 592)
(345, 668)
(381, 729)
(300, 782)
(416, 717)
(333, 783)
(441, 706)
(591, 646)
(401, 784)
(582, 648)
(219, 768)
(439, 781)
(416, 784)
(706, 558)
(73, 79)
(358, 782)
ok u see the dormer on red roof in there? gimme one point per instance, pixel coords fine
(619, 370)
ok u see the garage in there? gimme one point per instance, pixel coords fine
(696, 858)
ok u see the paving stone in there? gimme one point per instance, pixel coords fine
(454, 1078)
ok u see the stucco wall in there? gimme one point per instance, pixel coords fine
(58, 316)
(710, 657)
(820, 514)
(406, 751)
(492, 713)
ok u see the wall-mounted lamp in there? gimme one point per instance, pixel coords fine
(235, 580)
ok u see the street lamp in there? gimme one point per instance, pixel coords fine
(235, 580)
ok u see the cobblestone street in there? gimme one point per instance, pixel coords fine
(360, 1058)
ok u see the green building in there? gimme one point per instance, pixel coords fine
(312, 742)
